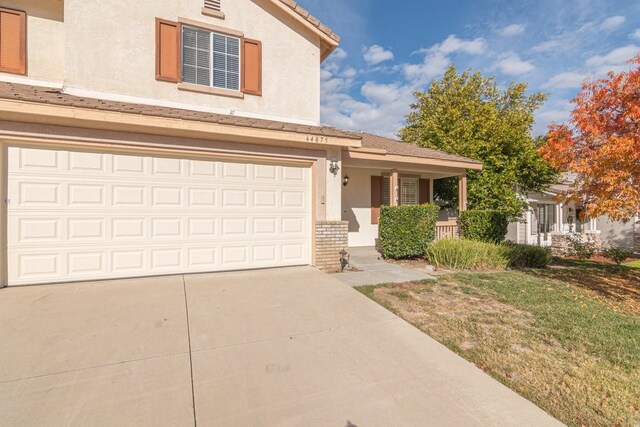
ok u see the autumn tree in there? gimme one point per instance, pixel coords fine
(470, 115)
(601, 145)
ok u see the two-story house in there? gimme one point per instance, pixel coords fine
(162, 137)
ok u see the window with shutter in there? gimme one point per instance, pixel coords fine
(386, 191)
(210, 59)
(408, 191)
(13, 41)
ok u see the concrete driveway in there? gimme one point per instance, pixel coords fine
(277, 347)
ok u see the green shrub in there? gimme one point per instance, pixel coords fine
(463, 254)
(617, 254)
(406, 231)
(484, 225)
(527, 256)
(581, 246)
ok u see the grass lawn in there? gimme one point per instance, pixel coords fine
(567, 337)
(633, 264)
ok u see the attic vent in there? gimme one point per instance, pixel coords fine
(212, 4)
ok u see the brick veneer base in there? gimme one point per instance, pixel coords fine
(331, 238)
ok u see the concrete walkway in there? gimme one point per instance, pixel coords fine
(283, 347)
(373, 270)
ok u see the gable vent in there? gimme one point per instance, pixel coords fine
(212, 4)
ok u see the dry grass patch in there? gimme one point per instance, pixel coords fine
(555, 343)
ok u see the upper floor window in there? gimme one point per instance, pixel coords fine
(210, 59)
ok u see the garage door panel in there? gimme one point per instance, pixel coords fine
(88, 216)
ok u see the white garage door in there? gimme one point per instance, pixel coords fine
(86, 216)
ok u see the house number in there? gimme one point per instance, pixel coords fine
(318, 139)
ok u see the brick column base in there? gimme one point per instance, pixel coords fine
(331, 238)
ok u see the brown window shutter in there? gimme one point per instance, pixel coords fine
(424, 192)
(376, 198)
(13, 41)
(252, 67)
(167, 51)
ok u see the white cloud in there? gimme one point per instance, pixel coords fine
(558, 112)
(454, 44)
(512, 65)
(382, 111)
(612, 23)
(636, 34)
(616, 60)
(339, 54)
(376, 54)
(433, 65)
(569, 80)
(512, 30)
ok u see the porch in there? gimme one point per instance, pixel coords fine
(373, 177)
(547, 217)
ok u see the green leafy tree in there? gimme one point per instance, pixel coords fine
(470, 115)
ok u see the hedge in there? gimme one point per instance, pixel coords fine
(527, 256)
(406, 231)
(484, 225)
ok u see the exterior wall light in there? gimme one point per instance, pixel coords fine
(345, 181)
(333, 166)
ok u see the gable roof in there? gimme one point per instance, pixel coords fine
(399, 148)
(329, 40)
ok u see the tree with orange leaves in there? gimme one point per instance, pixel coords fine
(601, 145)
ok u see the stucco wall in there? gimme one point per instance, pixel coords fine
(616, 233)
(110, 48)
(356, 207)
(45, 39)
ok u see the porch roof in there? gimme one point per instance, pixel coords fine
(377, 147)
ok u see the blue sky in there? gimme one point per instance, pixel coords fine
(390, 49)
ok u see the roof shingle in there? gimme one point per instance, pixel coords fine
(44, 95)
(311, 19)
(399, 148)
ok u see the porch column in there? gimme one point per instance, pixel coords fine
(560, 218)
(394, 183)
(462, 192)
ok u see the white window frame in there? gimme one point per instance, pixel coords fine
(211, 56)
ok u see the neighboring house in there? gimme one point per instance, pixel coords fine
(167, 137)
(548, 215)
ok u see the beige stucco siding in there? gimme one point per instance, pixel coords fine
(112, 50)
(45, 39)
(616, 233)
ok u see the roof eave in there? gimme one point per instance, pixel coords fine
(383, 155)
(329, 41)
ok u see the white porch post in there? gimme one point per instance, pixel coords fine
(527, 226)
(559, 218)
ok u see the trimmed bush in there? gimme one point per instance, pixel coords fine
(484, 225)
(406, 231)
(527, 256)
(464, 254)
(617, 254)
(581, 247)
